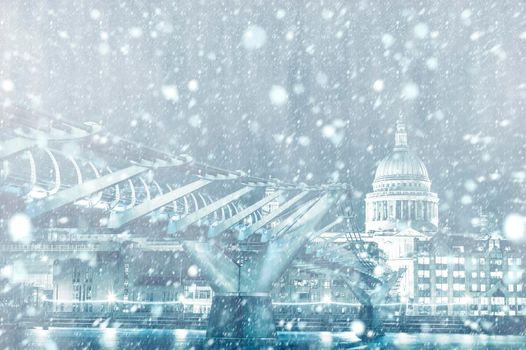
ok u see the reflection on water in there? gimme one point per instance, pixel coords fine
(131, 339)
(449, 341)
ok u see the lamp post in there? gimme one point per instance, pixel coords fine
(111, 299)
(239, 264)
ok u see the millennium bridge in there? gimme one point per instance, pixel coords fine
(65, 176)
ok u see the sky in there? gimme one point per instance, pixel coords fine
(306, 91)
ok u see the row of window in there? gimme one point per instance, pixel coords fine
(425, 260)
(459, 301)
(510, 275)
(475, 287)
(402, 210)
(472, 301)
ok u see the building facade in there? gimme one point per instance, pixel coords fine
(445, 273)
(401, 211)
(471, 275)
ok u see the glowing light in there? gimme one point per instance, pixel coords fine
(19, 228)
(193, 271)
(109, 338)
(180, 334)
(358, 327)
(111, 297)
(326, 337)
(378, 271)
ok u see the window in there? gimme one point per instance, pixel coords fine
(442, 286)
(458, 286)
(474, 287)
(423, 286)
(473, 275)
(497, 301)
(441, 260)
(441, 273)
(495, 274)
(482, 287)
(425, 300)
(459, 274)
(204, 294)
(423, 273)
(497, 262)
(423, 260)
(442, 300)
(457, 260)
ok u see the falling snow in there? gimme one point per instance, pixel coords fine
(210, 102)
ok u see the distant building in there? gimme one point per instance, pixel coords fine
(401, 196)
(401, 210)
(469, 275)
(445, 273)
(81, 286)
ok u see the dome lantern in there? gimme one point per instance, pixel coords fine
(400, 135)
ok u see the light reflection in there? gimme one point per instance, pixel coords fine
(109, 338)
(180, 334)
(326, 338)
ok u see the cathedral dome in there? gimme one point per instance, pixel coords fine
(401, 164)
(401, 169)
(401, 196)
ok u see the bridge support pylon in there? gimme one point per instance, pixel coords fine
(372, 320)
(239, 321)
(370, 311)
(241, 316)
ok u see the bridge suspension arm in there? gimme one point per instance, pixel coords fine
(274, 214)
(15, 145)
(184, 222)
(72, 194)
(291, 220)
(220, 270)
(225, 225)
(281, 251)
(118, 219)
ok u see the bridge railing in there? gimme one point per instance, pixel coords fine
(53, 247)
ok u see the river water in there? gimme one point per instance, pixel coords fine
(111, 338)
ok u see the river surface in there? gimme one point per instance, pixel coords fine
(131, 339)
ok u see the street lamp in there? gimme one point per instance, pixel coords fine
(239, 264)
(111, 298)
